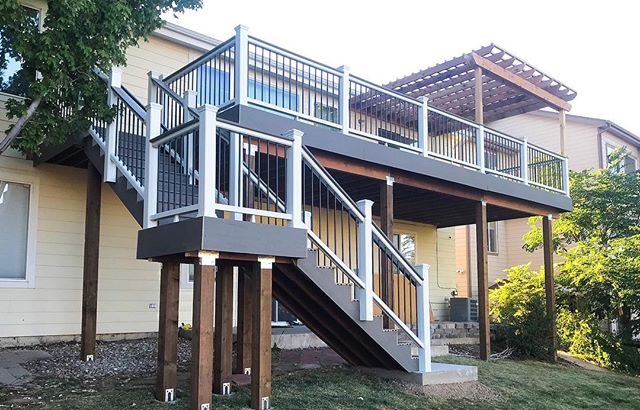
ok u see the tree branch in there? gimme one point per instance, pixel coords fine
(18, 126)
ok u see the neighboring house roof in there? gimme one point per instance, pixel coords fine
(510, 85)
(186, 37)
(601, 124)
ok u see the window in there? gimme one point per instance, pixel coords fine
(17, 236)
(186, 275)
(14, 78)
(214, 86)
(406, 244)
(271, 94)
(493, 237)
(326, 112)
(630, 164)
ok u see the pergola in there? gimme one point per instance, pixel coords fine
(488, 84)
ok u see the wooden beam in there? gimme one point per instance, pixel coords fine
(166, 375)
(563, 132)
(223, 335)
(261, 335)
(245, 311)
(202, 336)
(483, 279)
(492, 68)
(386, 223)
(90, 268)
(479, 105)
(378, 172)
(549, 285)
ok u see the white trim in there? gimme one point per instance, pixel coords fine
(253, 211)
(183, 36)
(32, 230)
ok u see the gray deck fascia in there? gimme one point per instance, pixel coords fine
(333, 141)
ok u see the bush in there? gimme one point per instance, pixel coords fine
(582, 336)
(519, 305)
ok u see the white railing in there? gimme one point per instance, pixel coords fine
(171, 152)
(247, 70)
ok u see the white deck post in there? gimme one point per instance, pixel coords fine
(480, 148)
(345, 96)
(365, 260)
(188, 101)
(423, 125)
(241, 65)
(424, 321)
(524, 159)
(207, 161)
(294, 178)
(109, 171)
(153, 120)
(235, 172)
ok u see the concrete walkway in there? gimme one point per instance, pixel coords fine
(11, 371)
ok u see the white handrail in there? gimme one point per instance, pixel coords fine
(293, 56)
(343, 266)
(386, 309)
(383, 238)
(382, 90)
(336, 189)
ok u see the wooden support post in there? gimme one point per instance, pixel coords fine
(243, 341)
(483, 279)
(563, 132)
(479, 104)
(261, 335)
(223, 335)
(90, 270)
(386, 223)
(549, 285)
(202, 337)
(166, 382)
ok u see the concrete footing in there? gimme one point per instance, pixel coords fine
(441, 373)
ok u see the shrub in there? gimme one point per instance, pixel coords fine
(518, 303)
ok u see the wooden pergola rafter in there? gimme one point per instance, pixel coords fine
(510, 85)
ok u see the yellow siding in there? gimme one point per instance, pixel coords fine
(157, 55)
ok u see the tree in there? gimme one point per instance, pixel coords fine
(599, 246)
(57, 63)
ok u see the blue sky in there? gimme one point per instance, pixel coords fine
(589, 45)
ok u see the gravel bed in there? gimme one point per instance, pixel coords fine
(128, 357)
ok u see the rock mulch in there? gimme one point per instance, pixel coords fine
(129, 357)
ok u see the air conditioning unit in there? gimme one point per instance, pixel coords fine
(463, 309)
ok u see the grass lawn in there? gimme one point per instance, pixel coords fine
(517, 384)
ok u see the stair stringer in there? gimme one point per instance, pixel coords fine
(363, 336)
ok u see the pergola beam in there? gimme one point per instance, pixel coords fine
(514, 80)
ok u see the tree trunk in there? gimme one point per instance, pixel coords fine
(15, 130)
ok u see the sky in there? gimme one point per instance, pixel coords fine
(591, 46)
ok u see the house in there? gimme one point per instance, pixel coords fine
(260, 166)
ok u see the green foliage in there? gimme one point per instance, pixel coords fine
(519, 303)
(598, 280)
(77, 36)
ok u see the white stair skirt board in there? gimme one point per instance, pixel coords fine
(441, 373)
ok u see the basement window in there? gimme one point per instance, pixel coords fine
(17, 237)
